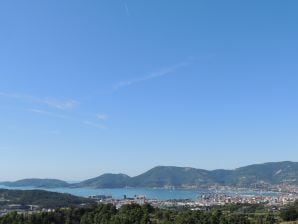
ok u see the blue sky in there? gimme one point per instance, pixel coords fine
(88, 87)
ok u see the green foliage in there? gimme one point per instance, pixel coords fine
(136, 214)
(105, 181)
(44, 199)
(38, 183)
(290, 213)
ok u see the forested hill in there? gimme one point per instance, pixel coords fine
(105, 181)
(43, 199)
(38, 183)
(183, 177)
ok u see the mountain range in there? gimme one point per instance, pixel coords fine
(182, 177)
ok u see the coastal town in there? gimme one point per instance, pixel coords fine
(216, 196)
(204, 201)
(274, 197)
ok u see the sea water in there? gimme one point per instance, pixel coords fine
(151, 193)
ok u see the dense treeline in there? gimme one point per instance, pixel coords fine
(290, 213)
(43, 199)
(146, 214)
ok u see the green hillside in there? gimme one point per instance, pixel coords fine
(183, 177)
(38, 183)
(43, 199)
(105, 181)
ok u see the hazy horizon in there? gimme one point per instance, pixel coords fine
(93, 87)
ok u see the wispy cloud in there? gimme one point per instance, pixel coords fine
(43, 112)
(95, 125)
(162, 72)
(102, 117)
(74, 119)
(99, 122)
(59, 104)
(51, 102)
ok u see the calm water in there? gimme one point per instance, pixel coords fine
(159, 194)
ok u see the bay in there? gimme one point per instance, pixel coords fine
(151, 193)
(118, 193)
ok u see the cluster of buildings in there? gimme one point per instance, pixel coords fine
(204, 201)
(223, 199)
(285, 188)
(258, 188)
(137, 199)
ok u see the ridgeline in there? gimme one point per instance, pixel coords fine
(182, 177)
